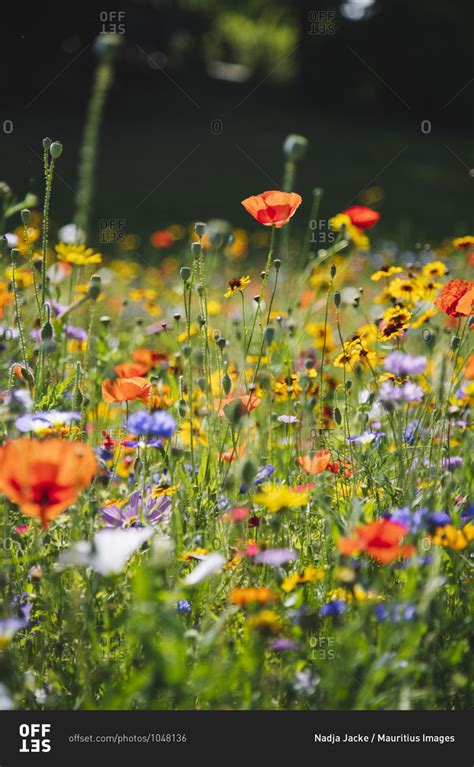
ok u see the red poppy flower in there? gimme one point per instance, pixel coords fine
(361, 216)
(381, 540)
(272, 208)
(457, 298)
(131, 370)
(316, 463)
(125, 389)
(162, 238)
(44, 477)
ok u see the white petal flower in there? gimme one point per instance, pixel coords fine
(211, 564)
(109, 552)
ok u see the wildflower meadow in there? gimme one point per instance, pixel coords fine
(236, 463)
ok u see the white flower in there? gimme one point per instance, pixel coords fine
(71, 234)
(211, 564)
(12, 239)
(109, 552)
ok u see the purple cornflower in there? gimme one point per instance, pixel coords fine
(367, 437)
(8, 629)
(275, 557)
(455, 462)
(405, 364)
(284, 644)
(264, 474)
(334, 607)
(183, 606)
(79, 334)
(158, 424)
(138, 512)
(408, 392)
(396, 612)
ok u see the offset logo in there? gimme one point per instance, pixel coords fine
(35, 738)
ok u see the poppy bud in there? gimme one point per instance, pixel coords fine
(199, 228)
(294, 147)
(187, 351)
(202, 384)
(25, 216)
(3, 244)
(221, 343)
(248, 472)
(333, 271)
(185, 273)
(94, 287)
(233, 411)
(201, 320)
(226, 383)
(199, 356)
(455, 341)
(277, 263)
(182, 407)
(46, 143)
(56, 150)
(337, 299)
(14, 254)
(107, 45)
(337, 416)
(177, 316)
(104, 320)
(47, 331)
(348, 385)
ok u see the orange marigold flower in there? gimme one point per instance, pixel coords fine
(457, 298)
(272, 208)
(314, 464)
(362, 216)
(44, 477)
(381, 540)
(125, 389)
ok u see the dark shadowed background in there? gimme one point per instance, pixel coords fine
(205, 91)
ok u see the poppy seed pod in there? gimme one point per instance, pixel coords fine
(25, 216)
(185, 273)
(94, 287)
(56, 150)
(268, 335)
(294, 147)
(199, 228)
(196, 249)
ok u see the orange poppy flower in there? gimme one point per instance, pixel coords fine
(149, 357)
(314, 464)
(469, 369)
(381, 540)
(361, 216)
(125, 389)
(44, 477)
(248, 402)
(272, 208)
(130, 370)
(457, 298)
